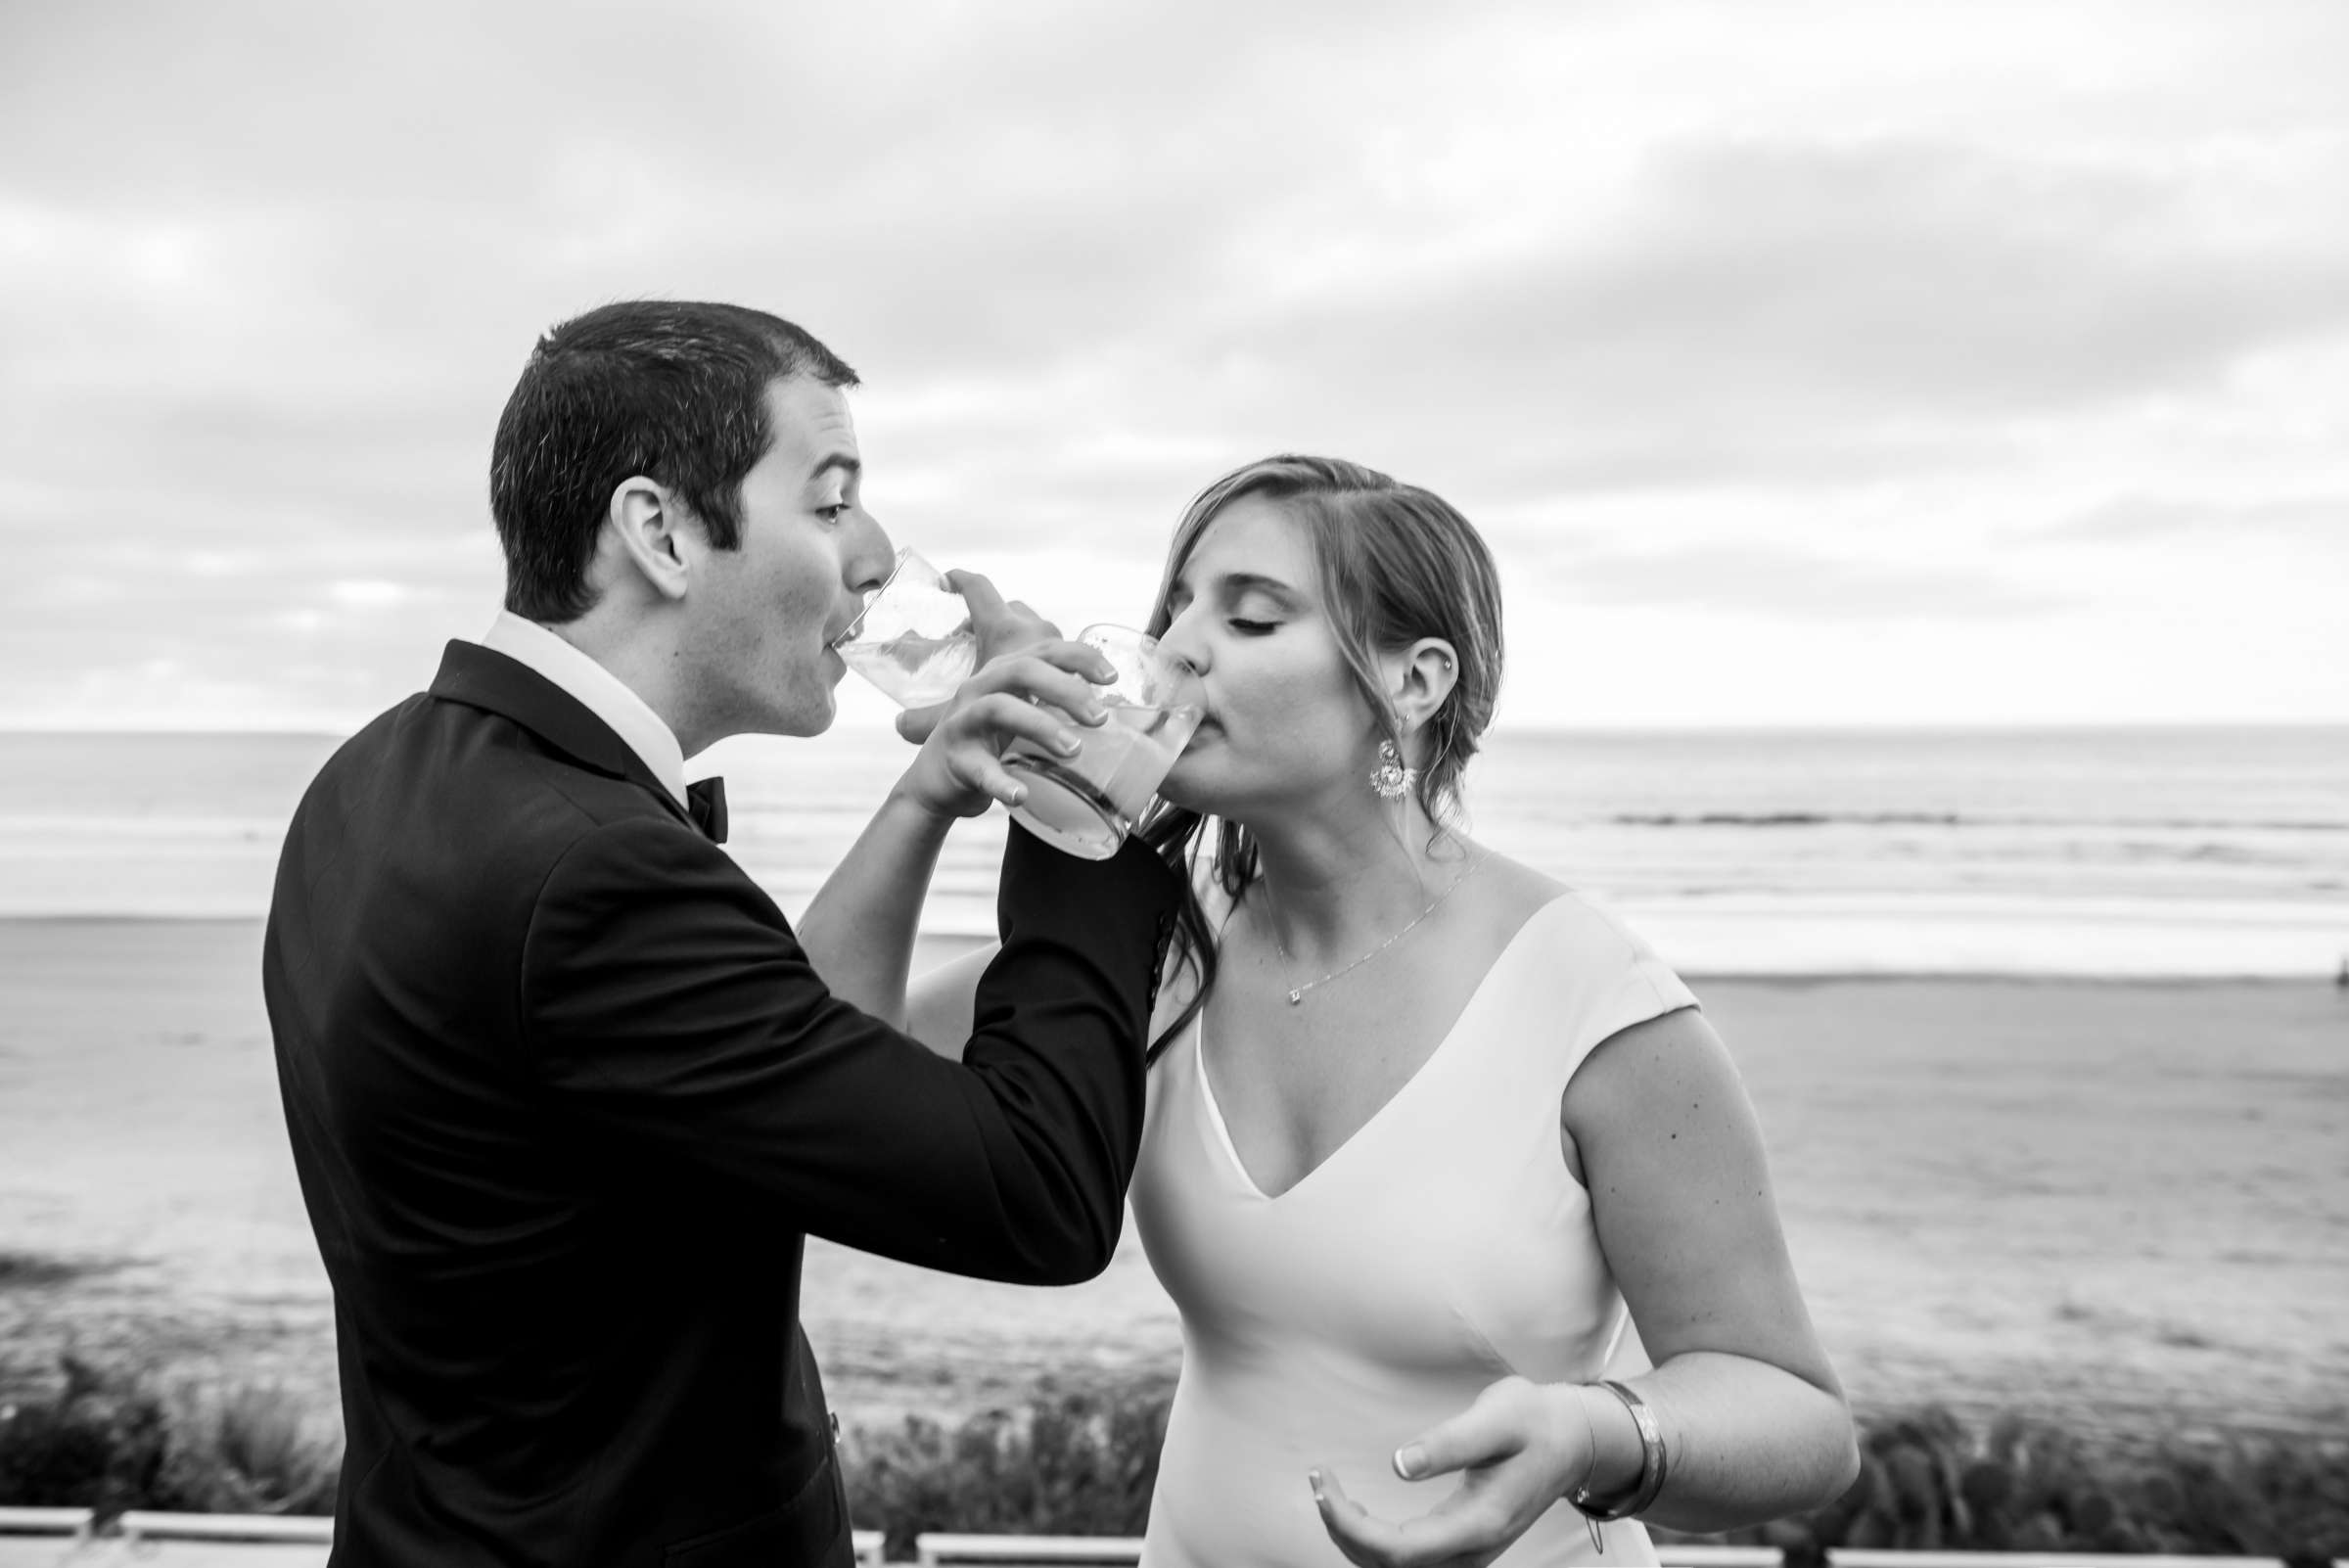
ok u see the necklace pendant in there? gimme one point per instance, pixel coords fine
(1296, 996)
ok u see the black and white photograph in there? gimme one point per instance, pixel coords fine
(1208, 786)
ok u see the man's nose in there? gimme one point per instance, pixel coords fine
(871, 556)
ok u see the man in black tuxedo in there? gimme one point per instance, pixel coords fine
(567, 1091)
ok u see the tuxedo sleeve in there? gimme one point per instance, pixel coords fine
(679, 1030)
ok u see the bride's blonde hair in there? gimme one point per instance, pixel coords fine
(1396, 563)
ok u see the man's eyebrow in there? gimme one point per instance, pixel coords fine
(846, 463)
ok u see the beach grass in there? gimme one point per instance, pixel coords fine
(2119, 1209)
(1083, 1462)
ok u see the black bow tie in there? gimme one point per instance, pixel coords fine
(706, 799)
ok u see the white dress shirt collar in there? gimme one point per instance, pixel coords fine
(602, 692)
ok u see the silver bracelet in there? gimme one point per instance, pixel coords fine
(1652, 1464)
(1598, 1539)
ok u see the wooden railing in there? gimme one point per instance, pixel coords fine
(150, 1536)
(1120, 1551)
(942, 1550)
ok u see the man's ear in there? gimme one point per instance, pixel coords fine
(647, 522)
(1420, 675)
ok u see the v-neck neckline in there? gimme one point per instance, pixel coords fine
(1215, 1111)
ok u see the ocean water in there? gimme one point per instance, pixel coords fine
(2186, 852)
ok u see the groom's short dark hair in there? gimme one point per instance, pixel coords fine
(672, 390)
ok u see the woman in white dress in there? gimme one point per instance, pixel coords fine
(1460, 1195)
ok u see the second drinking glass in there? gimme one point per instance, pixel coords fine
(1086, 804)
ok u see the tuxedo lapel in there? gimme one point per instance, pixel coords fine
(485, 678)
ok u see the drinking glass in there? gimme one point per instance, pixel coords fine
(1086, 804)
(913, 638)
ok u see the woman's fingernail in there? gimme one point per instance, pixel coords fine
(1408, 1462)
(1070, 745)
(1315, 1476)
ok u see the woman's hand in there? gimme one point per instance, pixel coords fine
(1028, 685)
(1002, 629)
(1042, 695)
(1521, 1446)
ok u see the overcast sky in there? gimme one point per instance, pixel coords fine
(1846, 365)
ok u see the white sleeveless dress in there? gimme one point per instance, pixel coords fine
(1442, 1247)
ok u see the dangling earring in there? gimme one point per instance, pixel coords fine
(1390, 778)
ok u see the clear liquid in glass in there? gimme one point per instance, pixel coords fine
(915, 669)
(1085, 804)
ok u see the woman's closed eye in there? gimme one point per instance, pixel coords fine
(1252, 629)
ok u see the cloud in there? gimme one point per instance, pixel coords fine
(2152, 518)
(1765, 303)
(1794, 585)
(1767, 313)
(1815, 313)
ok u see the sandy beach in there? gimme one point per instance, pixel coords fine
(2124, 1204)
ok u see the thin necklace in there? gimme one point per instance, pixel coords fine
(1297, 993)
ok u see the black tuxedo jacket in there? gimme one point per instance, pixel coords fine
(565, 1097)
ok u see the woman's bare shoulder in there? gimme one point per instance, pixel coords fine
(1507, 893)
(1579, 931)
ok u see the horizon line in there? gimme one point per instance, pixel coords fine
(325, 730)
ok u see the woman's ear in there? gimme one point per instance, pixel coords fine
(643, 524)
(1420, 677)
